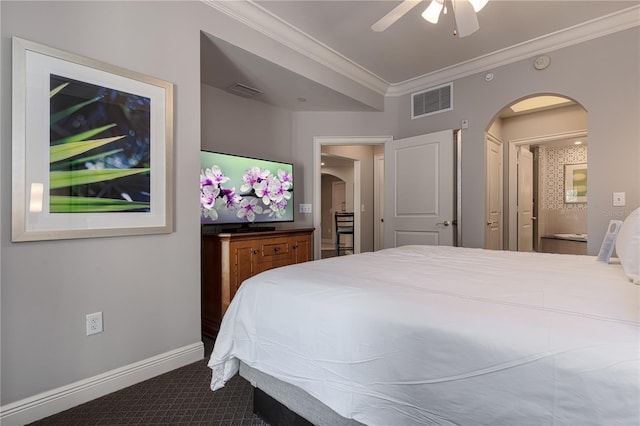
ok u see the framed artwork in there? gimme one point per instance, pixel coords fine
(92, 149)
(575, 183)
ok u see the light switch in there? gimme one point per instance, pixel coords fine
(305, 208)
(619, 199)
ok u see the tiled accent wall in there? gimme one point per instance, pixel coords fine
(551, 165)
(553, 214)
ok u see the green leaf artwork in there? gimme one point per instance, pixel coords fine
(99, 156)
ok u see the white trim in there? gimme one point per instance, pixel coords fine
(458, 141)
(599, 27)
(318, 142)
(580, 133)
(47, 403)
(259, 19)
(357, 207)
(378, 204)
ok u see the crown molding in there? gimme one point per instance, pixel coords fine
(599, 27)
(261, 20)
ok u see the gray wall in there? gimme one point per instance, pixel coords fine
(306, 125)
(148, 287)
(326, 203)
(235, 125)
(608, 88)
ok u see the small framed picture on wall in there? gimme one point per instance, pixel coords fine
(575, 183)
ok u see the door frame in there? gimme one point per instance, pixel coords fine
(378, 202)
(512, 181)
(318, 143)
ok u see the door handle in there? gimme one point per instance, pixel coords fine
(445, 223)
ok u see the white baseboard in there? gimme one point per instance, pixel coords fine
(54, 401)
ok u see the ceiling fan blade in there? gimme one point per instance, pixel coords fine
(398, 12)
(466, 19)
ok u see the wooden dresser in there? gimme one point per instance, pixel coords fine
(230, 258)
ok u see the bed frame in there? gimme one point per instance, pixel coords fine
(281, 403)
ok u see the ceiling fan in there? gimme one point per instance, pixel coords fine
(464, 12)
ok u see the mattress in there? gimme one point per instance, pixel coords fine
(441, 335)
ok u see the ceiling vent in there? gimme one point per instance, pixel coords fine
(432, 101)
(243, 90)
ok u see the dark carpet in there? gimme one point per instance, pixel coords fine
(179, 397)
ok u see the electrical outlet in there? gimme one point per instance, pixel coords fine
(94, 323)
(619, 199)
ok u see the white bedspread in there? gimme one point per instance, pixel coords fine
(440, 335)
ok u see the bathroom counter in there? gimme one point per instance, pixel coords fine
(564, 244)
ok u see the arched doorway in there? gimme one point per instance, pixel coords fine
(530, 147)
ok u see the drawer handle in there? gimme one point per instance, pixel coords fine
(256, 252)
(295, 246)
(276, 249)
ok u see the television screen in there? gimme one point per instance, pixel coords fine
(243, 190)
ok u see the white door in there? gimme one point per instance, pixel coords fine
(525, 200)
(420, 190)
(493, 214)
(378, 202)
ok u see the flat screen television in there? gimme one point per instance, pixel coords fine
(242, 191)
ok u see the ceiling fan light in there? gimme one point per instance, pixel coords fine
(466, 20)
(432, 13)
(478, 4)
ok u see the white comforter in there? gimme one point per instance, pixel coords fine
(443, 335)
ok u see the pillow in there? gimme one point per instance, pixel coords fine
(628, 246)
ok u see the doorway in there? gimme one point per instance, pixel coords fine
(549, 132)
(561, 222)
(361, 151)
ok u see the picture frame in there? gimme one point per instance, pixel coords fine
(575, 183)
(92, 147)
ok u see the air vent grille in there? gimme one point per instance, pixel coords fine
(432, 101)
(243, 90)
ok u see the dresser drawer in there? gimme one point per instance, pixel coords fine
(274, 250)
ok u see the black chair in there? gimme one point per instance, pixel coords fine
(344, 226)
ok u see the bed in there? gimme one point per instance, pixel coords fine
(438, 335)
